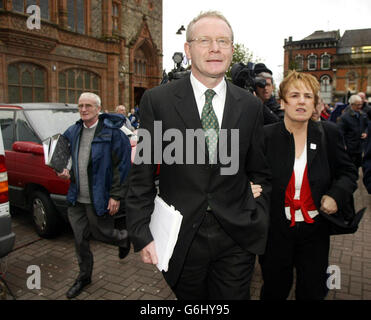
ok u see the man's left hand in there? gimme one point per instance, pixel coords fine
(113, 206)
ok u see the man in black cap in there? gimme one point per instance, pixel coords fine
(272, 110)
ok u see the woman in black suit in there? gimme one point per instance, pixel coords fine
(304, 188)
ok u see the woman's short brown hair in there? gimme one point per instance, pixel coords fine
(293, 78)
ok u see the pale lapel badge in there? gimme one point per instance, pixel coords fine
(313, 146)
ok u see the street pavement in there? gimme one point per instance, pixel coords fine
(130, 279)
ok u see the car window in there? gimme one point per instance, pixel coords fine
(52, 121)
(24, 132)
(7, 128)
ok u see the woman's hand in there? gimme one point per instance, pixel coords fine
(256, 189)
(328, 205)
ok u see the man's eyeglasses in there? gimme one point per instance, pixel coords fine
(206, 42)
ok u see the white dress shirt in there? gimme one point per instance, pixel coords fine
(218, 100)
(299, 168)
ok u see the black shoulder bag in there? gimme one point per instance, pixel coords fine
(346, 220)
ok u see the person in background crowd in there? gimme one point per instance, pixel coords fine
(134, 118)
(121, 109)
(100, 163)
(366, 163)
(326, 112)
(317, 113)
(353, 125)
(223, 225)
(272, 111)
(366, 108)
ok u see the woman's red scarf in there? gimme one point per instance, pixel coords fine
(305, 203)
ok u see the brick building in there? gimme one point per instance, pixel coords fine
(342, 65)
(111, 47)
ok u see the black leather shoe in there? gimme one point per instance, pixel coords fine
(124, 251)
(77, 287)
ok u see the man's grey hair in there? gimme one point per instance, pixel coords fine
(354, 99)
(93, 96)
(265, 75)
(207, 14)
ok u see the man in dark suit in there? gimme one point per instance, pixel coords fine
(224, 226)
(353, 125)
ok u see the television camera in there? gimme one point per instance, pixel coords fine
(245, 77)
(178, 72)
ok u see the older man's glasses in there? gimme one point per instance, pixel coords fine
(205, 42)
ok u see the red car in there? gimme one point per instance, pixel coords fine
(33, 185)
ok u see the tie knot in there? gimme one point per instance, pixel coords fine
(209, 94)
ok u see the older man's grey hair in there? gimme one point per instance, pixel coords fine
(93, 96)
(354, 99)
(207, 14)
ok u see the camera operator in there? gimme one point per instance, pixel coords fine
(272, 112)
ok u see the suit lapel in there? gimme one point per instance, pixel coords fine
(232, 108)
(313, 141)
(185, 104)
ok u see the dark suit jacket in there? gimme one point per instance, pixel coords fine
(338, 180)
(352, 128)
(190, 188)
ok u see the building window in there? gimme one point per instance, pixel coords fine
(325, 61)
(312, 62)
(76, 15)
(73, 82)
(299, 63)
(115, 16)
(22, 5)
(26, 83)
(351, 80)
(325, 84)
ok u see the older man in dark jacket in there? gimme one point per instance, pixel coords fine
(353, 125)
(100, 163)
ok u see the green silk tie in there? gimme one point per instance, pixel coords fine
(210, 124)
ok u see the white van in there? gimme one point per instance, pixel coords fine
(7, 237)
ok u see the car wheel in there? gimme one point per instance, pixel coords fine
(44, 214)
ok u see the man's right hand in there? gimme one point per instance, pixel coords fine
(65, 174)
(148, 254)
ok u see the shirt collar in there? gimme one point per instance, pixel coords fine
(199, 88)
(91, 127)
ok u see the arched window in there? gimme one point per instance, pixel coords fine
(299, 62)
(325, 61)
(140, 63)
(26, 83)
(326, 88)
(325, 84)
(351, 80)
(73, 82)
(312, 62)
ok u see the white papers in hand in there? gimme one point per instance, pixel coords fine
(165, 225)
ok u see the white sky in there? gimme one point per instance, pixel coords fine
(262, 26)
